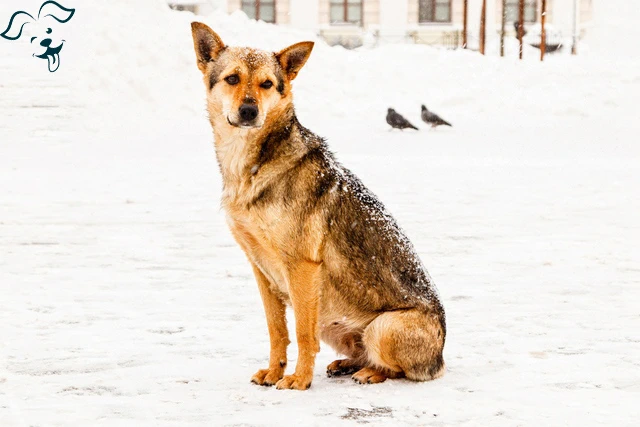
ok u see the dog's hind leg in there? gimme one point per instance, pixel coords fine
(403, 343)
(371, 375)
(344, 341)
(344, 367)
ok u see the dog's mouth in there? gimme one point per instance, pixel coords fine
(244, 125)
(52, 55)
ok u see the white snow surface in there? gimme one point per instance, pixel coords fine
(126, 302)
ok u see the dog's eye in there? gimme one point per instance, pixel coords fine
(49, 30)
(232, 79)
(267, 84)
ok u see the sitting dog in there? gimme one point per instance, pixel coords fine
(316, 237)
(41, 30)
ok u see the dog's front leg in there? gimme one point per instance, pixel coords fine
(304, 291)
(275, 311)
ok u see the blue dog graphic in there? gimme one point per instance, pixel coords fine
(48, 9)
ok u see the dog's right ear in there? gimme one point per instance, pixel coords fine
(207, 44)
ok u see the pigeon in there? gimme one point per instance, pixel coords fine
(396, 121)
(432, 118)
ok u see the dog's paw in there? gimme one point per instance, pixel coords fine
(342, 367)
(267, 377)
(369, 376)
(294, 382)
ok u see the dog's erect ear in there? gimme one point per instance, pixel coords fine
(207, 44)
(16, 24)
(294, 57)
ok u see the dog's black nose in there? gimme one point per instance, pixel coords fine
(45, 43)
(248, 112)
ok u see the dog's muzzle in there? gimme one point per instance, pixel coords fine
(247, 117)
(52, 54)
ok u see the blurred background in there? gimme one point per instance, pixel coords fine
(352, 23)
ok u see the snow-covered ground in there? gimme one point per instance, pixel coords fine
(124, 301)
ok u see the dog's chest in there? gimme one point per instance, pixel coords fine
(231, 153)
(258, 242)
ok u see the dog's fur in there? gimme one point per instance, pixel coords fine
(316, 238)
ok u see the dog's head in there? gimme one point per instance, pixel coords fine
(45, 43)
(244, 85)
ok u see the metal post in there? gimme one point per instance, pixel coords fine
(483, 26)
(464, 23)
(574, 47)
(543, 34)
(502, 28)
(521, 25)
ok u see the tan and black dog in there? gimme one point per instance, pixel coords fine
(315, 236)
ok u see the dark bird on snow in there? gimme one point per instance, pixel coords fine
(396, 121)
(432, 118)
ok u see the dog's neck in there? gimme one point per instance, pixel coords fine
(242, 152)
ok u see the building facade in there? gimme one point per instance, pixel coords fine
(352, 23)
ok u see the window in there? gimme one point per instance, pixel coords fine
(434, 11)
(530, 10)
(346, 12)
(264, 10)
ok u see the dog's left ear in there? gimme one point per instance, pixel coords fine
(292, 58)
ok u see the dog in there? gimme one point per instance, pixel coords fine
(46, 46)
(316, 238)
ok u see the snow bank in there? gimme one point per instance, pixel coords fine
(144, 61)
(129, 65)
